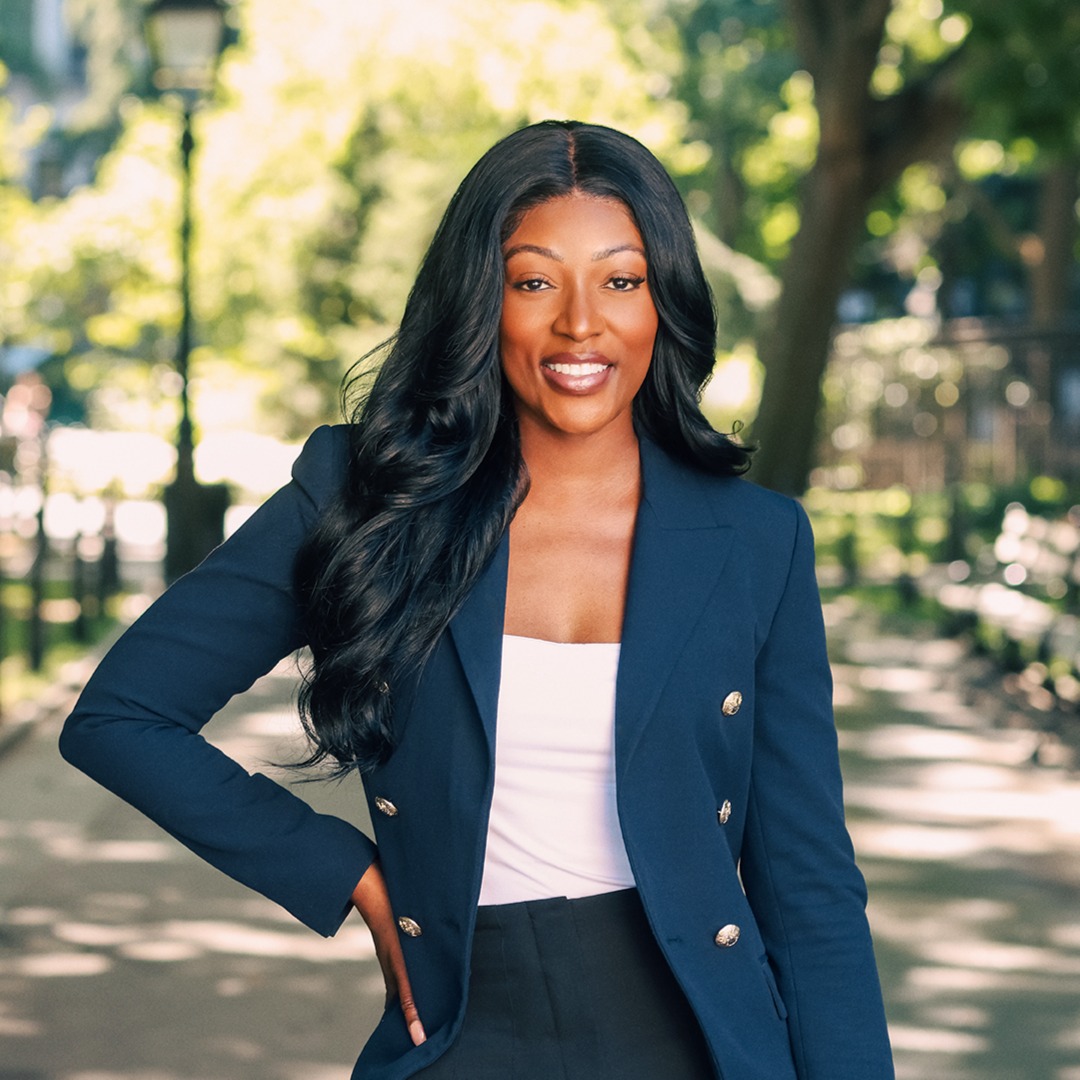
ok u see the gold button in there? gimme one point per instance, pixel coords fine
(726, 936)
(409, 926)
(732, 703)
(385, 805)
(724, 813)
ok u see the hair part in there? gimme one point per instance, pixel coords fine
(435, 472)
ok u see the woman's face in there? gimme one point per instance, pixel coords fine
(578, 323)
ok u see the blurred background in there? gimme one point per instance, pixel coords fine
(209, 211)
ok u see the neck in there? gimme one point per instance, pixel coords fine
(590, 465)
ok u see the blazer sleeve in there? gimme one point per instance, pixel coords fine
(798, 866)
(135, 728)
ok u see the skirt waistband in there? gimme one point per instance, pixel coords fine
(618, 904)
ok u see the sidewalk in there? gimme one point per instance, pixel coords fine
(122, 957)
(972, 856)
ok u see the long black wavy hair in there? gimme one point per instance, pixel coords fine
(435, 471)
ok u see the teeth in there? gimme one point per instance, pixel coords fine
(578, 369)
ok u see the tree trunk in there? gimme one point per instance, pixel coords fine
(795, 347)
(729, 203)
(839, 44)
(865, 143)
(1051, 274)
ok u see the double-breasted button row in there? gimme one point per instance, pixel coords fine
(729, 934)
(409, 927)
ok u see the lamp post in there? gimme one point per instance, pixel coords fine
(186, 39)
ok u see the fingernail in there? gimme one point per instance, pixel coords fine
(416, 1031)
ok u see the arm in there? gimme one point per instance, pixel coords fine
(798, 866)
(135, 729)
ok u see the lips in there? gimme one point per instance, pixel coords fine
(577, 374)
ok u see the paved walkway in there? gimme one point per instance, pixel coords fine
(124, 958)
(972, 854)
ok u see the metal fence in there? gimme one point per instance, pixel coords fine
(927, 404)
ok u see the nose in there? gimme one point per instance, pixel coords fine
(579, 317)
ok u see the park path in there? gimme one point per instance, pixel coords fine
(122, 957)
(972, 856)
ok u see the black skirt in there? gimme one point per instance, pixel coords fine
(572, 990)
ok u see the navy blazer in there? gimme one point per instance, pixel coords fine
(731, 811)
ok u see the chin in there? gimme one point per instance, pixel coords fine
(579, 427)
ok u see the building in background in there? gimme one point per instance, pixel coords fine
(78, 61)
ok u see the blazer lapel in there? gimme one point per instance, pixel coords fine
(477, 632)
(679, 554)
(678, 557)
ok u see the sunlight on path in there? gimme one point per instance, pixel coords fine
(972, 856)
(123, 957)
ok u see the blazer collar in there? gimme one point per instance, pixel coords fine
(679, 554)
(680, 549)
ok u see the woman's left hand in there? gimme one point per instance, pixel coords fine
(372, 900)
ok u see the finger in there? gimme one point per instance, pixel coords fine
(408, 1007)
(390, 987)
(372, 900)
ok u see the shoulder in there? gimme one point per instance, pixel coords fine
(743, 494)
(768, 530)
(771, 524)
(322, 466)
(684, 493)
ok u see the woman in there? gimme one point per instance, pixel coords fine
(645, 872)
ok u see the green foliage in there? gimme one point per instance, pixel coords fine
(1023, 75)
(737, 81)
(17, 213)
(1019, 77)
(110, 35)
(341, 130)
(341, 133)
(882, 532)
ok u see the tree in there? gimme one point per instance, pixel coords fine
(17, 139)
(340, 133)
(898, 92)
(1022, 82)
(865, 143)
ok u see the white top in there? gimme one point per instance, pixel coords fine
(554, 827)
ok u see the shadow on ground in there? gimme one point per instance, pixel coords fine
(972, 855)
(122, 957)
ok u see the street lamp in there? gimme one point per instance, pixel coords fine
(186, 39)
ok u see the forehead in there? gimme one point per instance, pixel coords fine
(576, 222)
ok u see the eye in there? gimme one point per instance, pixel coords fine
(625, 282)
(531, 285)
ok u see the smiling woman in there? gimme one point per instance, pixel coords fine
(578, 322)
(576, 340)
(578, 661)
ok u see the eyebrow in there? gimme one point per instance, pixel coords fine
(548, 253)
